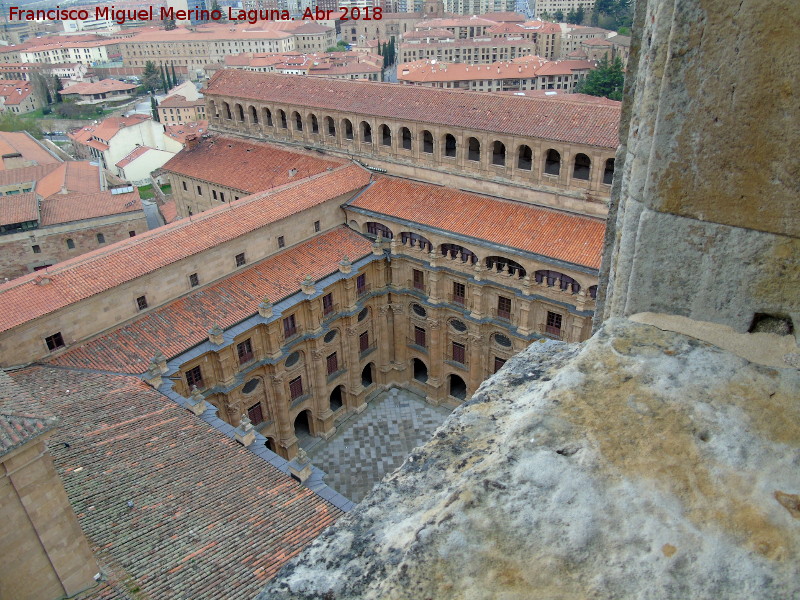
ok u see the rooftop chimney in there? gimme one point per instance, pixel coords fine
(191, 141)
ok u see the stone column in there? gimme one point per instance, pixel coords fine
(287, 442)
(437, 352)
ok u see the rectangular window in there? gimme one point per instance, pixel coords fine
(101, 239)
(281, 241)
(214, 194)
(296, 388)
(131, 234)
(361, 284)
(289, 327)
(194, 377)
(498, 363)
(244, 351)
(316, 226)
(199, 191)
(194, 280)
(332, 364)
(363, 341)
(184, 186)
(141, 302)
(419, 337)
(255, 414)
(459, 353)
(419, 279)
(54, 342)
(36, 249)
(504, 307)
(459, 292)
(222, 196)
(240, 259)
(327, 304)
(553, 323)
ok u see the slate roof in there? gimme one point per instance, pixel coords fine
(563, 236)
(247, 166)
(184, 323)
(210, 519)
(21, 417)
(23, 299)
(534, 117)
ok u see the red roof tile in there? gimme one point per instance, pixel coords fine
(133, 155)
(74, 176)
(179, 132)
(21, 417)
(18, 208)
(22, 143)
(247, 166)
(63, 208)
(559, 235)
(179, 101)
(107, 129)
(169, 211)
(14, 92)
(184, 323)
(23, 299)
(100, 87)
(534, 117)
(209, 519)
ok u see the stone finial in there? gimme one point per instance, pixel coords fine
(377, 246)
(244, 433)
(300, 467)
(307, 285)
(432, 257)
(153, 375)
(215, 335)
(393, 245)
(345, 266)
(265, 308)
(160, 360)
(479, 269)
(196, 401)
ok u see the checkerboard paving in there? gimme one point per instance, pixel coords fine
(369, 445)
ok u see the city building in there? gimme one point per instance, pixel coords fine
(65, 72)
(560, 155)
(87, 92)
(340, 65)
(19, 96)
(87, 50)
(137, 166)
(551, 7)
(177, 109)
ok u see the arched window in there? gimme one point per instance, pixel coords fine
(298, 121)
(268, 117)
(227, 108)
(70, 243)
(473, 149)
(212, 109)
(376, 229)
(253, 115)
(454, 251)
(416, 241)
(499, 154)
(583, 165)
(330, 126)
(505, 265)
(608, 172)
(450, 145)
(282, 119)
(593, 288)
(314, 124)
(348, 129)
(240, 112)
(366, 132)
(550, 277)
(427, 141)
(405, 136)
(552, 163)
(525, 158)
(386, 135)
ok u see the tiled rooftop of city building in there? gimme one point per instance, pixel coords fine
(534, 117)
(207, 518)
(64, 208)
(18, 208)
(99, 87)
(184, 323)
(22, 143)
(559, 235)
(247, 166)
(21, 417)
(71, 176)
(34, 295)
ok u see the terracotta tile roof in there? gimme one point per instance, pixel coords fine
(209, 520)
(21, 417)
(504, 17)
(534, 117)
(458, 21)
(106, 85)
(27, 174)
(133, 155)
(423, 71)
(498, 42)
(247, 166)
(64, 208)
(542, 27)
(265, 30)
(23, 299)
(178, 101)
(564, 96)
(14, 92)
(179, 132)
(169, 211)
(22, 143)
(563, 236)
(107, 129)
(421, 34)
(74, 176)
(565, 67)
(19, 208)
(182, 324)
(597, 42)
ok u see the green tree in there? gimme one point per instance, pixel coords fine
(154, 109)
(150, 77)
(164, 80)
(572, 17)
(215, 6)
(607, 79)
(57, 87)
(13, 122)
(558, 16)
(174, 77)
(580, 14)
(169, 24)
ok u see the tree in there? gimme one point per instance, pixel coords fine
(154, 109)
(174, 77)
(607, 79)
(150, 77)
(559, 16)
(169, 24)
(57, 87)
(215, 6)
(164, 81)
(580, 15)
(572, 17)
